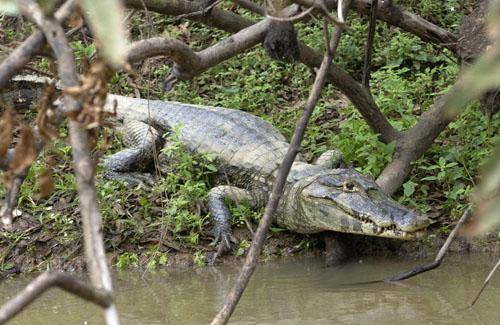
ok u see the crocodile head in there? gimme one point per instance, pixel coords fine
(345, 200)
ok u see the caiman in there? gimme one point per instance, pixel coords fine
(320, 197)
(324, 196)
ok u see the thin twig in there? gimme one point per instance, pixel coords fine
(399, 17)
(248, 268)
(18, 58)
(201, 12)
(46, 281)
(316, 4)
(485, 283)
(128, 16)
(439, 257)
(340, 13)
(292, 19)
(38, 71)
(252, 6)
(369, 44)
(11, 199)
(338, 21)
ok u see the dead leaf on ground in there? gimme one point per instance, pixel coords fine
(25, 151)
(6, 128)
(45, 183)
(45, 119)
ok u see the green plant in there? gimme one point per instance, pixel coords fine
(83, 51)
(6, 266)
(155, 258)
(199, 259)
(242, 247)
(126, 260)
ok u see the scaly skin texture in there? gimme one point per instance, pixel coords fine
(325, 196)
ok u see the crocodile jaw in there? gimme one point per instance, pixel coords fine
(322, 216)
(323, 202)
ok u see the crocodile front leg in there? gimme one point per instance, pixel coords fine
(129, 165)
(221, 217)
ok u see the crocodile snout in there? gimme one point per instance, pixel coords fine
(411, 222)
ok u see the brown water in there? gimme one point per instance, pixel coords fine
(290, 292)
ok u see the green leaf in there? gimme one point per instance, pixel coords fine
(163, 259)
(8, 7)
(106, 22)
(211, 167)
(6, 266)
(409, 188)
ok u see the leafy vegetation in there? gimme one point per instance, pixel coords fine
(408, 75)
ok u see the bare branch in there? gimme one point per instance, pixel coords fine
(84, 166)
(222, 19)
(11, 199)
(401, 18)
(357, 94)
(235, 293)
(416, 141)
(18, 58)
(46, 281)
(174, 49)
(189, 63)
(252, 6)
(369, 44)
(421, 136)
(204, 11)
(485, 283)
(292, 19)
(439, 257)
(231, 22)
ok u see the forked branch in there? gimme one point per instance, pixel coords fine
(404, 19)
(84, 166)
(439, 257)
(46, 281)
(18, 58)
(230, 22)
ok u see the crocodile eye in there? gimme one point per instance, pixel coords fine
(349, 186)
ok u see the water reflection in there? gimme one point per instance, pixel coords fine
(289, 292)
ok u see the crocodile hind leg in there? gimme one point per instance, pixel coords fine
(331, 159)
(131, 163)
(221, 217)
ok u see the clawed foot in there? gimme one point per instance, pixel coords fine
(223, 242)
